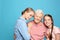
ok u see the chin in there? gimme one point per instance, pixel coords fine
(37, 22)
(26, 19)
(47, 25)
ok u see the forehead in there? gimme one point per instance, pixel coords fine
(38, 14)
(47, 17)
(31, 12)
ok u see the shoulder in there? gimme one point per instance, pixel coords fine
(20, 20)
(56, 29)
(30, 23)
(43, 25)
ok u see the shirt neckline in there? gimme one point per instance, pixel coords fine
(22, 19)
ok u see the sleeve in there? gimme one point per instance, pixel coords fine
(16, 34)
(23, 30)
(56, 30)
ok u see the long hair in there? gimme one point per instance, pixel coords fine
(50, 38)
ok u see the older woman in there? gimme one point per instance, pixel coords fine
(36, 28)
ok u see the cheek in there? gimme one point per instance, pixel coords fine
(45, 22)
(35, 17)
(27, 15)
(40, 19)
(50, 22)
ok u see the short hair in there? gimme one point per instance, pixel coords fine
(39, 11)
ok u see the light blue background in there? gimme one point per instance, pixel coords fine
(10, 10)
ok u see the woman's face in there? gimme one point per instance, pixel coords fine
(38, 17)
(29, 15)
(47, 21)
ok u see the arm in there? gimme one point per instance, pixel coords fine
(57, 36)
(14, 36)
(29, 26)
(23, 30)
(47, 34)
(57, 33)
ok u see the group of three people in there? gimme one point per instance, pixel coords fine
(35, 29)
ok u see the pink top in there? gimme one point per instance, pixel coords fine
(55, 31)
(37, 31)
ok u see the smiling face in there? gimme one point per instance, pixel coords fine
(29, 15)
(47, 21)
(38, 16)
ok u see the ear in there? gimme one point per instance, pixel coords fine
(25, 13)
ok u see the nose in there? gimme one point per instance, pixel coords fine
(30, 16)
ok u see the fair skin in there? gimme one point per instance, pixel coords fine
(57, 36)
(48, 23)
(28, 15)
(37, 19)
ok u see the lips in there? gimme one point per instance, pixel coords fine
(47, 24)
(37, 19)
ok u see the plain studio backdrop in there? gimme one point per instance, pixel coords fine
(10, 10)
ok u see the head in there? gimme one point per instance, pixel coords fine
(28, 13)
(38, 16)
(48, 20)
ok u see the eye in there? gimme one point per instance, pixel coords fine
(48, 19)
(31, 15)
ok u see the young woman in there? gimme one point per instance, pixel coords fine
(21, 30)
(52, 31)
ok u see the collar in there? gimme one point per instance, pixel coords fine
(22, 19)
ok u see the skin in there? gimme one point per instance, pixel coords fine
(14, 36)
(48, 23)
(57, 36)
(28, 15)
(38, 17)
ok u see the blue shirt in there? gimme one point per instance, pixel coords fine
(21, 30)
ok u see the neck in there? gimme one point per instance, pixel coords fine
(23, 16)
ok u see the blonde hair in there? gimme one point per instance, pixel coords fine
(27, 10)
